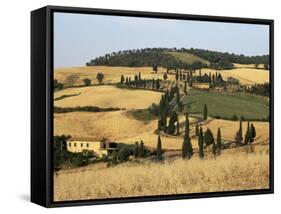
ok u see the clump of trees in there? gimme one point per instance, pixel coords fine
(249, 136)
(139, 82)
(152, 57)
(57, 85)
(100, 77)
(259, 89)
(87, 82)
(165, 111)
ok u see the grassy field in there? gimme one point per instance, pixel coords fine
(228, 172)
(107, 96)
(188, 58)
(226, 105)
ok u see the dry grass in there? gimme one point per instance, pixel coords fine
(229, 172)
(107, 96)
(246, 76)
(118, 126)
(75, 75)
(237, 65)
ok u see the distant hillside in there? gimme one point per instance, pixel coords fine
(176, 58)
(188, 58)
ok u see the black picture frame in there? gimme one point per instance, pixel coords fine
(42, 105)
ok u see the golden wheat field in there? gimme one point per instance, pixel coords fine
(75, 75)
(119, 126)
(115, 126)
(228, 172)
(246, 76)
(107, 96)
(237, 65)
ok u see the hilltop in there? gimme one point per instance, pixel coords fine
(173, 57)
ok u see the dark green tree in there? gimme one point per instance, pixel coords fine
(197, 130)
(87, 82)
(100, 77)
(201, 143)
(247, 137)
(209, 138)
(187, 150)
(185, 87)
(122, 79)
(219, 143)
(159, 149)
(253, 133)
(137, 149)
(155, 68)
(165, 77)
(238, 136)
(142, 149)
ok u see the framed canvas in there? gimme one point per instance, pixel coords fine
(131, 106)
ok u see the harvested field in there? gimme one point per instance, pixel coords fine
(107, 96)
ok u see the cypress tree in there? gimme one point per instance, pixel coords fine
(238, 137)
(122, 79)
(247, 135)
(197, 130)
(185, 87)
(253, 133)
(136, 149)
(209, 138)
(139, 75)
(200, 143)
(127, 81)
(177, 75)
(159, 149)
(153, 83)
(219, 145)
(205, 112)
(187, 150)
(141, 149)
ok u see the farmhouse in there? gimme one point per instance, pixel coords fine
(99, 147)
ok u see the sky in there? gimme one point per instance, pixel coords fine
(78, 38)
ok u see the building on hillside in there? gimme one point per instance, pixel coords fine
(232, 80)
(99, 147)
(198, 85)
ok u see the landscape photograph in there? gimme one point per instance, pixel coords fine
(154, 107)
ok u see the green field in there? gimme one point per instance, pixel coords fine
(188, 58)
(226, 105)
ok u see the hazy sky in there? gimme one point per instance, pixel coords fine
(79, 38)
